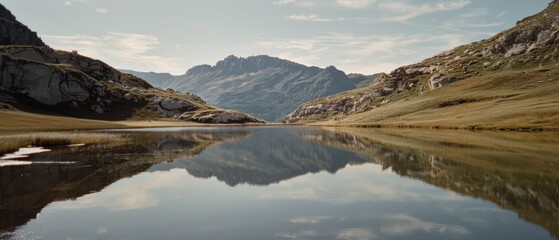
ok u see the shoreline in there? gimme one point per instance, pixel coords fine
(13, 122)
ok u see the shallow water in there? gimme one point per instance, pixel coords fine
(289, 183)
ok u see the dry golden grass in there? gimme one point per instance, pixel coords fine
(11, 143)
(16, 121)
(523, 99)
(507, 151)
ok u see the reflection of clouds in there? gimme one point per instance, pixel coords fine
(309, 220)
(125, 195)
(297, 194)
(404, 224)
(357, 234)
(348, 186)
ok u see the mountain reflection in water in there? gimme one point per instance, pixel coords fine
(517, 171)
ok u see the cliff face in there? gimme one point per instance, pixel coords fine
(13, 32)
(33, 74)
(531, 45)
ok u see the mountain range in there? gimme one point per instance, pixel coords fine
(37, 78)
(266, 87)
(508, 81)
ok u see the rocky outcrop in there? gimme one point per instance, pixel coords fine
(172, 107)
(14, 33)
(263, 86)
(219, 116)
(32, 73)
(439, 80)
(48, 84)
(533, 41)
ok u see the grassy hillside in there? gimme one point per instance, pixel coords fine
(519, 99)
(508, 81)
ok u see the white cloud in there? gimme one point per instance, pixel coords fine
(309, 220)
(362, 54)
(312, 18)
(356, 4)
(284, 2)
(71, 2)
(503, 13)
(101, 10)
(299, 3)
(123, 50)
(408, 11)
(404, 224)
(121, 196)
(357, 234)
(474, 13)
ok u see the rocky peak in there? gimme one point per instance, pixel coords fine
(200, 69)
(6, 14)
(13, 32)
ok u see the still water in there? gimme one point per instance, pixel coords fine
(289, 183)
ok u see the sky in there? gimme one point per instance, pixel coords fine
(356, 36)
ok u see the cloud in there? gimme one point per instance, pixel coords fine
(122, 196)
(312, 18)
(357, 234)
(404, 224)
(284, 2)
(408, 11)
(299, 3)
(364, 54)
(309, 220)
(474, 13)
(503, 13)
(123, 50)
(356, 4)
(101, 10)
(71, 2)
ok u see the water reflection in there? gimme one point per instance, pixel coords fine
(178, 184)
(26, 190)
(268, 156)
(518, 171)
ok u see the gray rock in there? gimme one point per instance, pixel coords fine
(516, 50)
(219, 116)
(439, 80)
(171, 107)
(14, 33)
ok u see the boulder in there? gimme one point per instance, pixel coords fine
(219, 116)
(439, 80)
(172, 107)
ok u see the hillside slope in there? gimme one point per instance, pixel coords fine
(507, 81)
(263, 86)
(37, 78)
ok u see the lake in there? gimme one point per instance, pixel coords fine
(289, 183)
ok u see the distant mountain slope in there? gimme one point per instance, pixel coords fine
(507, 81)
(263, 86)
(35, 77)
(155, 79)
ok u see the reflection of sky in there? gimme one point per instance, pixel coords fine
(357, 203)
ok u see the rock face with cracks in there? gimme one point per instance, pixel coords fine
(33, 74)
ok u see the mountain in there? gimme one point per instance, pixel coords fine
(155, 79)
(263, 86)
(508, 81)
(37, 78)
